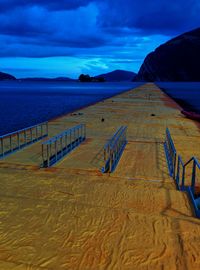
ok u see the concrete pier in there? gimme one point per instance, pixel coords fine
(71, 216)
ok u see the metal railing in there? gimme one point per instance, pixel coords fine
(180, 174)
(170, 152)
(113, 150)
(17, 140)
(181, 169)
(60, 145)
(184, 174)
(190, 188)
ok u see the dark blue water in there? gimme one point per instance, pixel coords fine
(23, 104)
(186, 94)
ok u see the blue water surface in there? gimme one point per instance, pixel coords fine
(23, 104)
(186, 94)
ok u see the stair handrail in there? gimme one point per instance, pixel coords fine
(113, 149)
(177, 169)
(62, 144)
(171, 153)
(196, 164)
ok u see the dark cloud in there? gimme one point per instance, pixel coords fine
(6, 5)
(43, 50)
(121, 32)
(158, 16)
(48, 31)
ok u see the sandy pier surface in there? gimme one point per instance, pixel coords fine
(72, 216)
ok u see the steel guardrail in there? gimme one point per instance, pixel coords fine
(194, 197)
(63, 143)
(14, 141)
(170, 152)
(178, 171)
(113, 150)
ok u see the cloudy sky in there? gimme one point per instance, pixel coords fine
(67, 37)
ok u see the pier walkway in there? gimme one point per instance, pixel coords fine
(71, 216)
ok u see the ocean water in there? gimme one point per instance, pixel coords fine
(186, 94)
(23, 104)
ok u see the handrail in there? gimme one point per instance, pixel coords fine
(178, 171)
(194, 159)
(196, 164)
(195, 199)
(177, 179)
(22, 130)
(181, 164)
(170, 139)
(60, 135)
(113, 149)
(14, 141)
(115, 134)
(170, 152)
(60, 145)
(116, 137)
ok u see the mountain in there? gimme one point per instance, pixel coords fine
(117, 76)
(6, 77)
(176, 60)
(63, 79)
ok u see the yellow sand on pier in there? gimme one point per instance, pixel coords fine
(71, 216)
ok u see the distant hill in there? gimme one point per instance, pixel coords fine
(176, 60)
(118, 76)
(6, 77)
(66, 79)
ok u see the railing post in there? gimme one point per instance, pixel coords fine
(81, 132)
(110, 165)
(78, 135)
(178, 174)
(56, 154)
(193, 177)
(62, 148)
(84, 131)
(43, 154)
(18, 142)
(70, 139)
(47, 128)
(104, 154)
(174, 166)
(66, 141)
(36, 132)
(10, 142)
(41, 130)
(2, 148)
(31, 132)
(74, 136)
(48, 157)
(24, 136)
(183, 179)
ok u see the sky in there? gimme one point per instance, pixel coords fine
(52, 38)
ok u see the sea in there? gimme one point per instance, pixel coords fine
(187, 94)
(23, 104)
